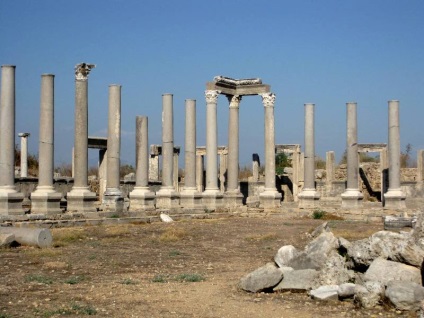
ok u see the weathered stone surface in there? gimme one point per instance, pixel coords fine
(326, 292)
(320, 229)
(334, 271)
(405, 295)
(298, 280)
(285, 254)
(346, 290)
(263, 278)
(369, 294)
(418, 232)
(384, 271)
(6, 239)
(165, 218)
(29, 236)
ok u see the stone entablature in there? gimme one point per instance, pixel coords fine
(230, 86)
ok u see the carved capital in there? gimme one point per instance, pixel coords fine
(268, 99)
(212, 96)
(234, 100)
(82, 70)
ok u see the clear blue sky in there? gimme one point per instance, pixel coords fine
(325, 52)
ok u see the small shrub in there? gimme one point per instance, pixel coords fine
(173, 235)
(191, 278)
(129, 281)
(174, 253)
(74, 280)
(318, 214)
(38, 279)
(159, 279)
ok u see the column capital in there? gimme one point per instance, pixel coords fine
(268, 99)
(212, 96)
(82, 70)
(234, 100)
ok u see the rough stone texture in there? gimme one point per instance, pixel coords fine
(263, 278)
(166, 218)
(418, 232)
(298, 280)
(320, 229)
(346, 290)
(6, 239)
(285, 254)
(369, 294)
(334, 271)
(326, 292)
(405, 295)
(384, 271)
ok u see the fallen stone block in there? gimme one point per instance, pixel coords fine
(385, 271)
(6, 239)
(298, 280)
(405, 295)
(369, 294)
(285, 254)
(29, 236)
(263, 278)
(165, 218)
(327, 292)
(346, 290)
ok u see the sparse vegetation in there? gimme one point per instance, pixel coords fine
(281, 161)
(264, 237)
(38, 279)
(74, 280)
(173, 234)
(318, 214)
(74, 309)
(129, 281)
(159, 279)
(174, 253)
(189, 278)
(319, 163)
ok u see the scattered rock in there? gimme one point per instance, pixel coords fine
(166, 218)
(263, 278)
(320, 229)
(369, 294)
(298, 280)
(346, 290)
(405, 295)
(335, 271)
(326, 292)
(384, 271)
(284, 255)
(6, 239)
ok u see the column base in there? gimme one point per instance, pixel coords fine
(142, 199)
(11, 201)
(394, 200)
(167, 198)
(190, 198)
(233, 199)
(113, 200)
(270, 199)
(81, 200)
(212, 199)
(45, 200)
(352, 199)
(308, 198)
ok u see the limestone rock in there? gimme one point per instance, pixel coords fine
(6, 239)
(418, 232)
(298, 280)
(263, 278)
(384, 271)
(369, 294)
(166, 218)
(320, 229)
(285, 254)
(405, 295)
(335, 271)
(346, 290)
(326, 292)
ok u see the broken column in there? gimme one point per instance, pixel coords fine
(352, 197)
(309, 195)
(10, 199)
(212, 197)
(167, 197)
(80, 198)
(270, 198)
(141, 198)
(45, 200)
(256, 165)
(175, 168)
(394, 198)
(199, 172)
(233, 196)
(329, 170)
(190, 197)
(420, 169)
(24, 154)
(154, 163)
(113, 199)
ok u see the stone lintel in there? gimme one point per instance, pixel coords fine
(288, 148)
(371, 147)
(97, 142)
(201, 151)
(156, 150)
(241, 90)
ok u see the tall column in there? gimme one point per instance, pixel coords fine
(394, 198)
(113, 199)
(24, 154)
(352, 197)
(10, 199)
(167, 197)
(309, 195)
(141, 198)
(233, 196)
(270, 198)
(190, 197)
(45, 200)
(212, 197)
(80, 198)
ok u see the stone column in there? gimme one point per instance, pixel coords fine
(80, 198)
(394, 198)
(167, 197)
(102, 165)
(233, 196)
(154, 163)
(10, 199)
(352, 197)
(309, 195)
(270, 198)
(297, 172)
(199, 173)
(190, 197)
(175, 168)
(24, 154)
(141, 198)
(45, 200)
(330, 170)
(420, 169)
(113, 199)
(212, 197)
(223, 167)
(255, 167)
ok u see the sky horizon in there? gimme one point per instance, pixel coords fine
(350, 51)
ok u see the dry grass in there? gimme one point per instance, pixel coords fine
(351, 235)
(66, 236)
(264, 237)
(173, 234)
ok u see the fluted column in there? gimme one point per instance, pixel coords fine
(24, 154)
(45, 200)
(141, 198)
(80, 198)
(352, 197)
(394, 198)
(270, 198)
(10, 199)
(309, 195)
(167, 197)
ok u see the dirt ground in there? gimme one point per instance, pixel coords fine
(188, 268)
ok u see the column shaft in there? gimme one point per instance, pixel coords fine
(352, 148)
(142, 152)
(190, 145)
(269, 143)
(24, 156)
(211, 141)
(309, 147)
(199, 172)
(394, 146)
(167, 141)
(233, 144)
